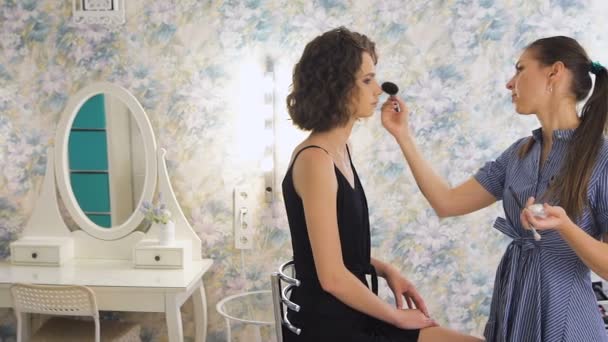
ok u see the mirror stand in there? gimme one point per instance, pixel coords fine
(46, 239)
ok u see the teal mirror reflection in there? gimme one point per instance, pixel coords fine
(106, 167)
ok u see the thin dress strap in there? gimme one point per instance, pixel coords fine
(349, 159)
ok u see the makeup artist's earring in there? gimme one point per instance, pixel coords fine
(550, 89)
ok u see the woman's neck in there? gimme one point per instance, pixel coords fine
(335, 139)
(560, 115)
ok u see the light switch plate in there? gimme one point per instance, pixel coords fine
(242, 213)
(97, 5)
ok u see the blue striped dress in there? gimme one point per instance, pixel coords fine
(542, 290)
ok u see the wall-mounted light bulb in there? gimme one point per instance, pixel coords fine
(267, 164)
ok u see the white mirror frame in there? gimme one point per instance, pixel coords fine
(62, 161)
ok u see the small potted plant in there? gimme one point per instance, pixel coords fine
(160, 217)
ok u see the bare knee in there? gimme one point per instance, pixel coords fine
(437, 334)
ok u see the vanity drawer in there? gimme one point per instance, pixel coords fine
(35, 254)
(158, 257)
(41, 252)
(148, 254)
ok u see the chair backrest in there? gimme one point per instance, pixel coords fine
(68, 300)
(281, 302)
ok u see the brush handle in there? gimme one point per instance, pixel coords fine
(536, 235)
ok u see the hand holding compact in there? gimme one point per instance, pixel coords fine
(545, 216)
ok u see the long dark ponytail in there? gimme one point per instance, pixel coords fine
(571, 190)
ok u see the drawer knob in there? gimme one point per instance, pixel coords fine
(157, 258)
(34, 255)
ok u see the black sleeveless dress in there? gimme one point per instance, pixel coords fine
(322, 317)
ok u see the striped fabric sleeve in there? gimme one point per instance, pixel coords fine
(601, 200)
(493, 174)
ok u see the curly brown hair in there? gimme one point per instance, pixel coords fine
(324, 79)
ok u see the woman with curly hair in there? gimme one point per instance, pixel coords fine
(334, 85)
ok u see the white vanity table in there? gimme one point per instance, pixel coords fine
(120, 287)
(102, 258)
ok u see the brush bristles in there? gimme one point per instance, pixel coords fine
(390, 88)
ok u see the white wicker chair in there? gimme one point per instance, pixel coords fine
(70, 300)
(280, 298)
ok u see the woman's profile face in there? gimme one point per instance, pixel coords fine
(530, 87)
(366, 90)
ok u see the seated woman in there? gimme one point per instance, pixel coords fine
(334, 85)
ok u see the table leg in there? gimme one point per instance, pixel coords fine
(228, 331)
(24, 327)
(174, 319)
(258, 333)
(200, 314)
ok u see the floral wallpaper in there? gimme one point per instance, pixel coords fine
(193, 65)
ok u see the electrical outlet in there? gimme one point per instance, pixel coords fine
(243, 227)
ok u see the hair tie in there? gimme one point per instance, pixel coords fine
(596, 67)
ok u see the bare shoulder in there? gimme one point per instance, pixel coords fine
(312, 159)
(313, 169)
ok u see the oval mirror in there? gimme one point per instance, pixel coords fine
(106, 160)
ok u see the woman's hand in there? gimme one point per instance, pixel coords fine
(412, 319)
(556, 217)
(403, 288)
(396, 123)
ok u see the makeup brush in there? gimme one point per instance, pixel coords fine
(391, 89)
(536, 235)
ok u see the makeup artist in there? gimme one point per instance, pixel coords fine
(542, 290)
